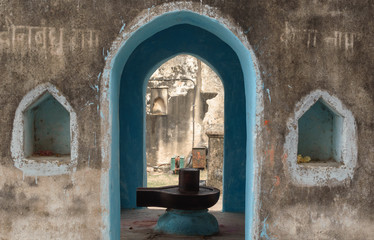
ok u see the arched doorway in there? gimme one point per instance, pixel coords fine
(181, 38)
(151, 45)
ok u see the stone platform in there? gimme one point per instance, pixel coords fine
(139, 224)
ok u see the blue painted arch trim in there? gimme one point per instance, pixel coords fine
(122, 78)
(182, 38)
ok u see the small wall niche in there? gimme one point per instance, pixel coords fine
(46, 129)
(45, 133)
(321, 144)
(159, 101)
(320, 131)
(159, 107)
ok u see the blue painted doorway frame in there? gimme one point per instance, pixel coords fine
(151, 45)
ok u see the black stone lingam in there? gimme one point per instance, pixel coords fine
(187, 205)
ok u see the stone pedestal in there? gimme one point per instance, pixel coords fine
(215, 157)
(187, 222)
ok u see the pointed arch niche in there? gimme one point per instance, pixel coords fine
(44, 138)
(323, 129)
(157, 36)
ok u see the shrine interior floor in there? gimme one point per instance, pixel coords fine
(139, 223)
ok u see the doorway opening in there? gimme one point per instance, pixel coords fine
(184, 105)
(166, 44)
(124, 84)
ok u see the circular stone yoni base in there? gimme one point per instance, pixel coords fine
(187, 222)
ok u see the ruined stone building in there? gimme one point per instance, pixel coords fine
(184, 100)
(298, 85)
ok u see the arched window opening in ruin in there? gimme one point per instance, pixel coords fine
(184, 122)
(159, 107)
(46, 129)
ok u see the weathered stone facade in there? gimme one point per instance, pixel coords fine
(298, 47)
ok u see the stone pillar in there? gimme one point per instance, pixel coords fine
(199, 114)
(215, 157)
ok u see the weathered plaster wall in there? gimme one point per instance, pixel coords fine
(58, 207)
(43, 43)
(315, 45)
(301, 46)
(170, 135)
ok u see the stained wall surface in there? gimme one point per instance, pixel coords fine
(300, 46)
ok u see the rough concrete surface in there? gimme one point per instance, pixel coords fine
(300, 45)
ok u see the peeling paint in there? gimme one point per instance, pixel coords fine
(271, 155)
(265, 227)
(122, 28)
(248, 30)
(268, 92)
